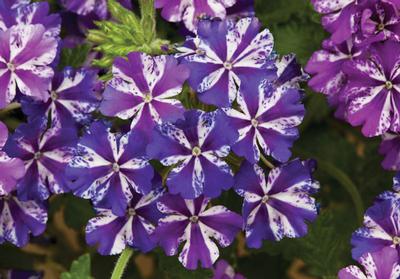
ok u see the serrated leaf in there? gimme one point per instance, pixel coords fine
(74, 57)
(148, 21)
(80, 269)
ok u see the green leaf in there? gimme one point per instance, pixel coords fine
(148, 21)
(80, 269)
(77, 212)
(74, 57)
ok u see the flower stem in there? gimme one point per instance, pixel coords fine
(10, 107)
(121, 264)
(266, 162)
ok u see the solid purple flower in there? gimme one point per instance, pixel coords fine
(143, 88)
(223, 270)
(109, 167)
(20, 218)
(25, 55)
(72, 96)
(279, 206)
(380, 230)
(383, 264)
(194, 148)
(114, 233)
(191, 11)
(373, 90)
(11, 169)
(229, 52)
(189, 221)
(269, 113)
(46, 154)
(390, 148)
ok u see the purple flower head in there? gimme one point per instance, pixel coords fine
(97, 9)
(13, 4)
(113, 233)
(223, 270)
(373, 90)
(11, 169)
(191, 11)
(143, 88)
(279, 206)
(108, 168)
(25, 56)
(242, 8)
(72, 96)
(24, 274)
(269, 114)
(195, 147)
(383, 264)
(227, 53)
(380, 230)
(20, 218)
(189, 221)
(46, 154)
(390, 148)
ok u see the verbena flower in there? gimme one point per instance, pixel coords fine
(143, 88)
(20, 218)
(72, 96)
(223, 270)
(229, 52)
(380, 230)
(242, 8)
(191, 11)
(13, 4)
(278, 206)
(11, 169)
(25, 56)
(269, 113)
(189, 221)
(95, 8)
(383, 264)
(114, 233)
(390, 148)
(108, 168)
(194, 148)
(46, 154)
(373, 90)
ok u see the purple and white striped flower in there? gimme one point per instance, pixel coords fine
(108, 168)
(72, 96)
(46, 154)
(114, 233)
(11, 169)
(223, 270)
(228, 53)
(390, 148)
(143, 88)
(190, 11)
(20, 218)
(279, 206)
(194, 147)
(25, 56)
(380, 230)
(383, 264)
(189, 221)
(91, 8)
(269, 114)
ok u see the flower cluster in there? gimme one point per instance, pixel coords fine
(151, 176)
(358, 67)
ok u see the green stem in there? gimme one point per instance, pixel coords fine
(121, 264)
(266, 162)
(10, 107)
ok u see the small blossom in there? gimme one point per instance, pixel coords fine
(189, 221)
(25, 56)
(113, 233)
(229, 52)
(95, 8)
(143, 88)
(108, 168)
(46, 154)
(223, 270)
(191, 11)
(390, 148)
(279, 206)
(20, 218)
(383, 264)
(195, 147)
(269, 114)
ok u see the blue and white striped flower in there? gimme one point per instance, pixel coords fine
(108, 168)
(191, 222)
(113, 233)
(229, 52)
(279, 206)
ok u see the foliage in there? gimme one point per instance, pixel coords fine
(80, 269)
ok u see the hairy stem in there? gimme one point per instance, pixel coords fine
(121, 264)
(266, 162)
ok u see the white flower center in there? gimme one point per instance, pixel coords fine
(196, 151)
(53, 95)
(194, 219)
(389, 85)
(265, 199)
(37, 155)
(381, 26)
(131, 212)
(147, 98)
(254, 122)
(228, 65)
(396, 240)
(115, 167)
(11, 67)
(200, 51)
